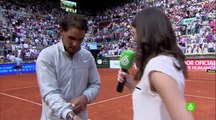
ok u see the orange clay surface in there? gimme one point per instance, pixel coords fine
(20, 98)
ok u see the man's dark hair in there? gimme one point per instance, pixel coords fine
(73, 20)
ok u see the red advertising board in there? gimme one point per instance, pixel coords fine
(201, 64)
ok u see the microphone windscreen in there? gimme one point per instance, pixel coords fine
(127, 59)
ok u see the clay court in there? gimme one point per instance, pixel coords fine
(20, 98)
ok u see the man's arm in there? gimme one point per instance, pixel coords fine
(94, 83)
(79, 103)
(49, 89)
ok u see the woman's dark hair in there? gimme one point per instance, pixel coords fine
(155, 36)
(73, 20)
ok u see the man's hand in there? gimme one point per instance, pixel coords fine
(72, 116)
(79, 103)
(76, 118)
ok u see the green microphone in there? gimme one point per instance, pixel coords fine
(126, 62)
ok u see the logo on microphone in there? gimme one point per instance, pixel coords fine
(124, 60)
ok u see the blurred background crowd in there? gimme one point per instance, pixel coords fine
(27, 27)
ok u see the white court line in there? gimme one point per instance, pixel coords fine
(107, 100)
(197, 96)
(29, 101)
(10, 89)
(103, 101)
(199, 81)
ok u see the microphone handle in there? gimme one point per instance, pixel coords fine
(120, 85)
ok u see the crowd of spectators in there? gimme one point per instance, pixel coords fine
(26, 29)
(193, 22)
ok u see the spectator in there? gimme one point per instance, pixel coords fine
(2, 60)
(211, 46)
(205, 49)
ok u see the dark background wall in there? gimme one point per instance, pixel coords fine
(90, 7)
(97, 6)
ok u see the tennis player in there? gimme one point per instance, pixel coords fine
(18, 65)
(67, 75)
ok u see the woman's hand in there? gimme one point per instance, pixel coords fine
(127, 78)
